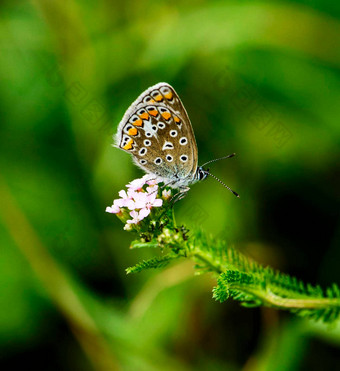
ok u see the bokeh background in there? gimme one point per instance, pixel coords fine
(260, 79)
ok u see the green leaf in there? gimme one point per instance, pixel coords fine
(156, 262)
(139, 245)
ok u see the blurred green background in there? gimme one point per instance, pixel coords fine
(259, 79)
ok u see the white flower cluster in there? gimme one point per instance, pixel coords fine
(138, 199)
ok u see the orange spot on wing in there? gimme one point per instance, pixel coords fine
(177, 119)
(138, 122)
(128, 145)
(133, 131)
(159, 98)
(144, 116)
(166, 115)
(168, 95)
(153, 112)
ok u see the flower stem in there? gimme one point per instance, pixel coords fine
(268, 297)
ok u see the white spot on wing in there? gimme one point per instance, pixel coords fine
(167, 145)
(183, 141)
(142, 151)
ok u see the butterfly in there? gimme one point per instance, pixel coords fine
(157, 132)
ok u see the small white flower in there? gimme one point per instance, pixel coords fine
(143, 213)
(166, 194)
(114, 209)
(153, 188)
(136, 217)
(127, 227)
(137, 184)
(137, 200)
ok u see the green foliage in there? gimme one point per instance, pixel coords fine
(156, 262)
(240, 277)
(273, 289)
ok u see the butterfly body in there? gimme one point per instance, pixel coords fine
(157, 131)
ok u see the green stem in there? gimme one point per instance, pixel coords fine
(210, 263)
(273, 300)
(173, 217)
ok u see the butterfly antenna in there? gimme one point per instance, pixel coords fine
(224, 185)
(218, 159)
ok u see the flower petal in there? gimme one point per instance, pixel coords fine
(113, 209)
(136, 184)
(151, 197)
(134, 214)
(130, 204)
(152, 189)
(158, 202)
(148, 177)
(123, 194)
(143, 213)
(140, 204)
(120, 202)
(140, 196)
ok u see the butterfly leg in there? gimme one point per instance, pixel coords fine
(180, 195)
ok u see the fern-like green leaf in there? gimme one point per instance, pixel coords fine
(265, 287)
(156, 262)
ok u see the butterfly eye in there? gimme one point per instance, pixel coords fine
(142, 151)
(183, 141)
(158, 161)
(173, 133)
(184, 158)
(169, 158)
(147, 142)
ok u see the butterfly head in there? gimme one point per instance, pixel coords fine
(201, 173)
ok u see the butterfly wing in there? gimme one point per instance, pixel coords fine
(157, 131)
